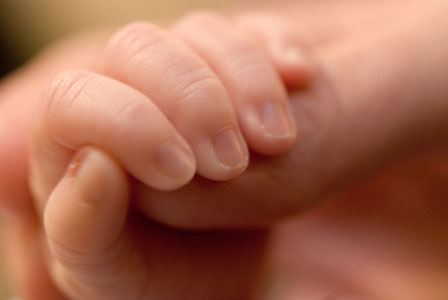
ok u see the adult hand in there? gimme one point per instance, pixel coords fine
(372, 102)
(379, 95)
(383, 240)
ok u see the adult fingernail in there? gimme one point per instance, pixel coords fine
(175, 161)
(276, 121)
(230, 149)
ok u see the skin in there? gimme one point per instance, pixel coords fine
(329, 115)
(83, 102)
(160, 110)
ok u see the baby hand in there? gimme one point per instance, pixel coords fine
(168, 104)
(162, 105)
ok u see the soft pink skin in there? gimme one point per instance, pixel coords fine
(85, 100)
(251, 81)
(329, 115)
(161, 111)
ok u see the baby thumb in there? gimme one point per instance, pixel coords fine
(84, 221)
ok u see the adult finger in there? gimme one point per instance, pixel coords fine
(356, 118)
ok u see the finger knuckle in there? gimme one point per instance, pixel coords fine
(135, 38)
(195, 82)
(135, 112)
(62, 92)
(245, 61)
(204, 93)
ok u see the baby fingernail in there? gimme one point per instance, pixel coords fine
(75, 164)
(175, 162)
(230, 149)
(276, 122)
(84, 169)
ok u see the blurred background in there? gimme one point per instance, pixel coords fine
(27, 26)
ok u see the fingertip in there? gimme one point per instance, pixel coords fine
(270, 129)
(275, 122)
(176, 165)
(224, 157)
